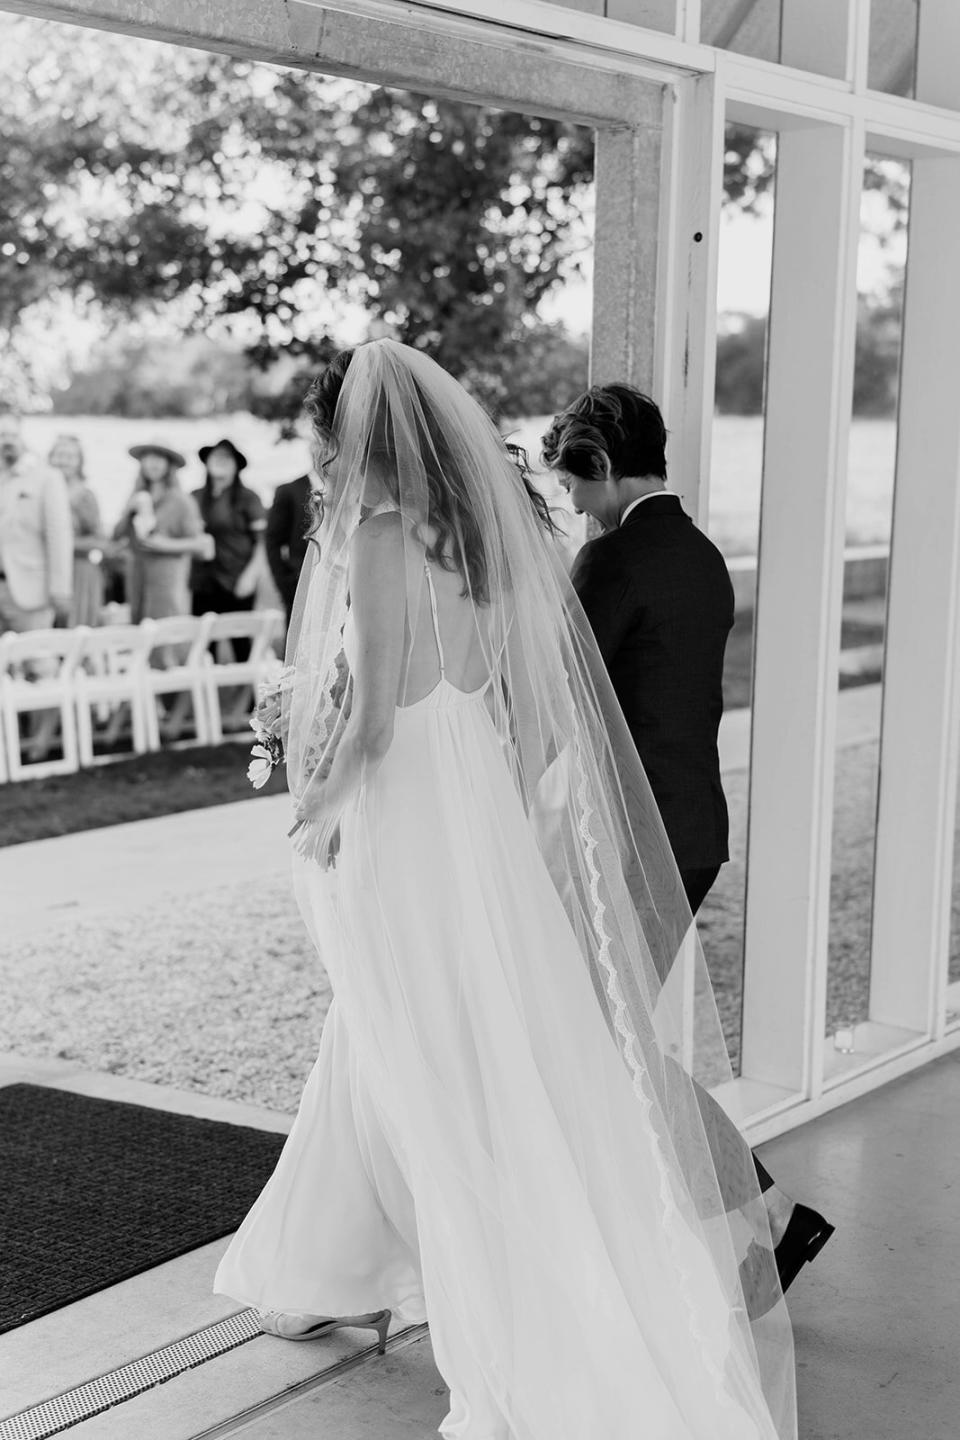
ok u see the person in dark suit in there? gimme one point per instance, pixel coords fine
(286, 541)
(658, 597)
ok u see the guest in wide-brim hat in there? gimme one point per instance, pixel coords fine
(228, 447)
(163, 531)
(153, 447)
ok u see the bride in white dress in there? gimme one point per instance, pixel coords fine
(500, 1134)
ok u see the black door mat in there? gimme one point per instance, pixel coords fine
(93, 1191)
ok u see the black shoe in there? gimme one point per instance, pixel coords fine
(804, 1238)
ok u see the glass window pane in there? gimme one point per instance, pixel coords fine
(892, 64)
(953, 960)
(869, 520)
(745, 259)
(749, 27)
(650, 14)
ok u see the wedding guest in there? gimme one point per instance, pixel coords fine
(88, 538)
(234, 516)
(36, 537)
(164, 531)
(287, 524)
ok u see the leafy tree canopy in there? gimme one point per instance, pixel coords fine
(257, 206)
(136, 176)
(750, 167)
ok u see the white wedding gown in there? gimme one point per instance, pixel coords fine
(469, 1147)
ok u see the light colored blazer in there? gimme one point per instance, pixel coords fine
(36, 534)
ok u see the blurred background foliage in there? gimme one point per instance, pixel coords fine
(210, 226)
(749, 186)
(249, 205)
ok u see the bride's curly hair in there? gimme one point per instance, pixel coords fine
(450, 515)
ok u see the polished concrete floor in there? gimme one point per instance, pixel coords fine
(877, 1319)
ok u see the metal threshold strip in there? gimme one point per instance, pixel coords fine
(239, 1423)
(72, 1407)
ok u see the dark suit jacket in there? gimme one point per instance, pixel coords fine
(659, 598)
(286, 523)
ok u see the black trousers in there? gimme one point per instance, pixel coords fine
(211, 596)
(288, 596)
(698, 884)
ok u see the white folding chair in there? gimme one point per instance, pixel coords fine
(4, 741)
(175, 665)
(259, 627)
(115, 613)
(110, 680)
(37, 678)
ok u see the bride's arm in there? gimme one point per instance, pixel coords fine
(535, 750)
(378, 606)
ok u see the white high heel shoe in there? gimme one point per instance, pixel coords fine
(271, 1323)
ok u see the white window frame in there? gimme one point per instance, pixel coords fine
(659, 102)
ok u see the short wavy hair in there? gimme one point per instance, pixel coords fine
(609, 422)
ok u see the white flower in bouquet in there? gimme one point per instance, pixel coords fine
(260, 768)
(267, 724)
(144, 515)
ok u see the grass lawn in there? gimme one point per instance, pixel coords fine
(738, 666)
(132, 789)
(142, 786)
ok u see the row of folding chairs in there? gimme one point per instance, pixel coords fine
(61, 690)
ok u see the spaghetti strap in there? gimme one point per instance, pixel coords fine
(436, 618)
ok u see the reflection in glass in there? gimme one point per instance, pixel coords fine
(749, 27)
(745, 259)
(953, 972)
(651, 14)
(869, 520)
(892, 65)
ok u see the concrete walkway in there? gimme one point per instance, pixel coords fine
(124, 868)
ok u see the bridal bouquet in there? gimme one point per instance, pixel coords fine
(269, 720)
(267, 725)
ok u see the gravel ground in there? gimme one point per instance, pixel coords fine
(722, 917)
(222, 993)
(851, 896)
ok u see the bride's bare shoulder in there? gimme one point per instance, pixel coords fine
(377, 551)
(380, 525)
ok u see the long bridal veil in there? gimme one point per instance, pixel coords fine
(408, 438)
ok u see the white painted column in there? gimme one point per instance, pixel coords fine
(859, 60)
(625, 255)
(685, 361)
(921, 715)
(809, 391)
(688, 19)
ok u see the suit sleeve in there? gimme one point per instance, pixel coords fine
(604, 595)
(58, 536)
